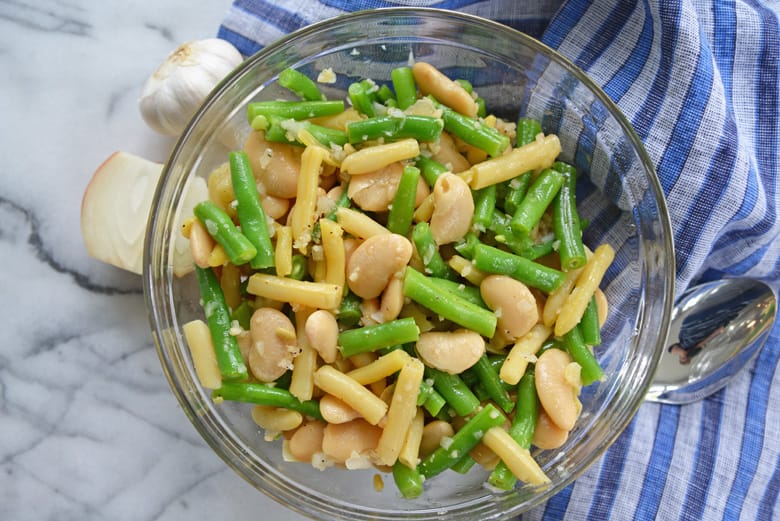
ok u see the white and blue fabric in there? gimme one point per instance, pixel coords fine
(700, 82)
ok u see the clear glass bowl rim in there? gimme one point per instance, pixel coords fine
(155, 305)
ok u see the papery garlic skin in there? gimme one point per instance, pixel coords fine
(175, 91)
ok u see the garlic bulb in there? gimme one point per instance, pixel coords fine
(178, 87)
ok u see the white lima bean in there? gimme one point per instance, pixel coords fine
(274, 344)
(547, 435)
(453, 207)
(513, 303)
(322, 331)
(374, 191)
(275, 165)
(392, 299)
(334, 410)
(375, 261)
(350, 440)
(447, 153)
(306, 441)
(275, 419)
(433, 433)
(556, 393)
(451, 351)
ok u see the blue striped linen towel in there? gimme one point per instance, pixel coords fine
(699, 82)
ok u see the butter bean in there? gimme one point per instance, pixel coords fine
(342, 441)
(274, 344)
(322, 331)
(275, 165)
(547, 435)
(392, 299)
(556, 394)
(306, 441)
(446, 152)
(374, 191)
(274, 419)
(375, 261)
(433, 433)
(334, 410)
(513, 303)
(451, 351)
(275, 207)
(453, 207)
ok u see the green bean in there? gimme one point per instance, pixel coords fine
(521, 430)
(581, 353)
(540, 194)
(231, 364)
(484, 207)
(262, 394)
(300, 84)
(467, 245)
(429, 252)
(242, 314)
(294, 109)
(527, 130)
(371, 338)
(421, 128)
(589, 324)
(468, 292)
(474, 132)
(451, 307)
(371, 89)
(408, 480)
(237, 247)
(251, 215)
(299, 267)
(462, 441)
(490, 259)
(454, 391)
(342, 202)
(349, 313)
(399, 219)
(385, 95)
(516, 190)
(430, 169)
(464, 464)
(480, 392)
(433, 401)
(518, 242)
(566, 221)
(489, 378)
(524, 422)
(279, 130)
(404, 86)
(481, 107)
(466, 85)
(361, 100)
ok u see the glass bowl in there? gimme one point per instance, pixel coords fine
(618, 192)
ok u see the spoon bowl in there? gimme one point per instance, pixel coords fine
(716, 329)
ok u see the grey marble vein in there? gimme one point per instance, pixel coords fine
(25, 219)
(45, 16)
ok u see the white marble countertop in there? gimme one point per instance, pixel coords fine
(89, 429)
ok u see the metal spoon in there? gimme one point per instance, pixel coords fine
(717, 328)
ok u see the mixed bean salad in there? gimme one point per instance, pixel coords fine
(397, 281)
